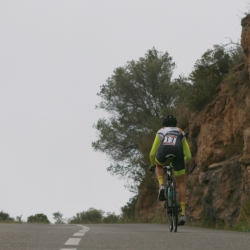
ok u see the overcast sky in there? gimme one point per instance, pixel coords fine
(54, 56)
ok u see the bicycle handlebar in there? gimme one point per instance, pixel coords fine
(152, 169)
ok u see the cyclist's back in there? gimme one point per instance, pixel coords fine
(171, 143)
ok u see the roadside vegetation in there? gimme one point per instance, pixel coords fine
(93, 215)
(38, 218)
(90, 216)
(138, 95)
(97, 216)
(244, 220)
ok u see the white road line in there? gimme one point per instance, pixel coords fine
(72, 241)
(68, 249)
(78, 234)
(84, 229)
(75, 241)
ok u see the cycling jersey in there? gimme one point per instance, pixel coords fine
(171, 140)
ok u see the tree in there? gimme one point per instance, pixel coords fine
(182, 88)
(58, 217)
(19, 219)
(4, 216)
(208, 73)
(136, 97)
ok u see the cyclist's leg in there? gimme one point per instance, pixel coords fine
(179, 170)
(160, 159)
(159, 174)
(180, 182)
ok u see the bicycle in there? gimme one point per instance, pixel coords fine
(171, 203)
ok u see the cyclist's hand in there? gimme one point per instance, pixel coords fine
(152, 169)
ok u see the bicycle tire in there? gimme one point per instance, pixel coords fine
(175, 208)
(169, 210)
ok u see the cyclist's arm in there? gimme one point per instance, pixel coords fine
(153, 151)
(186, 150)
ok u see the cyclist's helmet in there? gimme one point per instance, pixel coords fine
(169, 121)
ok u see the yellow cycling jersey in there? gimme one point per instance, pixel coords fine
(170, 136)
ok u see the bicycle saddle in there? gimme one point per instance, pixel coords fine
(170, 156)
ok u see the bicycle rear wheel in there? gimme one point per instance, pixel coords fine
(175, 211)
(169, 210)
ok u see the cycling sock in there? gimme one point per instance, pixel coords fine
(183, 207)
(161, 180)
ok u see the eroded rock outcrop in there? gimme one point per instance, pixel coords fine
(218, 178)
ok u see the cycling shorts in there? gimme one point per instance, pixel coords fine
(178, 161)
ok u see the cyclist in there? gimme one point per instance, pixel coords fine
(171, 140)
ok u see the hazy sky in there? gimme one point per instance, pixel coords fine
(54, 56)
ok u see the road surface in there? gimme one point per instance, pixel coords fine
(117, 236)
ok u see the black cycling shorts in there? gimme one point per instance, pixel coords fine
(178, 161)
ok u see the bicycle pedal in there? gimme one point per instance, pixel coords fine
(182, 223)
(162, 199)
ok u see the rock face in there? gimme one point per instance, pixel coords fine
(218, 178)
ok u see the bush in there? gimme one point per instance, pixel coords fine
(111, 218)
(4, 217)
(38, 218)
(128, 211)
(92, 215)
(237, 55)
(244, 219)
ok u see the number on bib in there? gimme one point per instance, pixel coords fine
(170, 140)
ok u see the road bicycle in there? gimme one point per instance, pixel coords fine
(171, 203)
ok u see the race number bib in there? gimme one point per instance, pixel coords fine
(170, 140)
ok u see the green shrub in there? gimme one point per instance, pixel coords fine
(207, 75)
(128, 211)
(209, 72)
(111, 218)
(4, 216)
(92, 215)
(244, 218)
(38, 218)
(237, 55)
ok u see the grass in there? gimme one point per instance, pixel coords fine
(243, 224)
(244, 220)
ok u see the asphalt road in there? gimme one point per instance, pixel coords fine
(118, 236)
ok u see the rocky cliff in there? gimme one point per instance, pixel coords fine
(218, 178)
